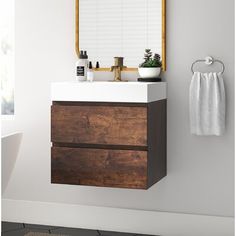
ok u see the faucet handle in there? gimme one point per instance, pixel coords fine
(119, 61)
(112, 68)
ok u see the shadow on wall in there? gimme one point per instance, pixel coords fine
(10, 150)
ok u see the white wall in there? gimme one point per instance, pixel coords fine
(200, 169)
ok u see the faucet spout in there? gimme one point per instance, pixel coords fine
(117, 72)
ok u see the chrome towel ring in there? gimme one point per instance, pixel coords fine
(208, 61)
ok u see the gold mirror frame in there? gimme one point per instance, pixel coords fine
(163, 56)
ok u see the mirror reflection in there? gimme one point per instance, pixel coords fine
(119, 28)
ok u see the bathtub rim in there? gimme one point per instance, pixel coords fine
(12, 134)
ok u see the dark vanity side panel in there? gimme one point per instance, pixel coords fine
(99, 167)
(157, 141)
(111, 124)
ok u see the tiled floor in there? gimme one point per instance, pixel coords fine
(16, 229)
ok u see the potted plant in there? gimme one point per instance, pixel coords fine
(151, 67)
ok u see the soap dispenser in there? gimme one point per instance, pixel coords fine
(82, 66)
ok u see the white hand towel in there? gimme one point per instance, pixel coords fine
(207, 104)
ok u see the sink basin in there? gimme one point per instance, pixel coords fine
(105, 91)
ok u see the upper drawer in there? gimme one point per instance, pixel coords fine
(94, 124)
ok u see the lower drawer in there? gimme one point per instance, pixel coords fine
(99, 167)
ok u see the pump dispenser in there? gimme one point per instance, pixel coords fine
(82, 66)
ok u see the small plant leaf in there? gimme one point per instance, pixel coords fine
(149, 61)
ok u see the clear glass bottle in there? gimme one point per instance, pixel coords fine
(90, 73)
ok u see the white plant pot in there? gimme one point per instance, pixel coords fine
(146, 72)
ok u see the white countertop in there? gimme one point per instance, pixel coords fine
(105, 91)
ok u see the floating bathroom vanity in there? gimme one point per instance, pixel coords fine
(108, 134)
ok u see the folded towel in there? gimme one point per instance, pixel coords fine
(207, 104)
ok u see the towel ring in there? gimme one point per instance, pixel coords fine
(208, 61)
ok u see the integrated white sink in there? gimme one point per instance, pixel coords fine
(105, 91)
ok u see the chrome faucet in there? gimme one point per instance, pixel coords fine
(117, 68)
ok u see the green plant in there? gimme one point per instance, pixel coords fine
(150, 61)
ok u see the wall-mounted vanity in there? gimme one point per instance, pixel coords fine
(108, 134)
(112, 134)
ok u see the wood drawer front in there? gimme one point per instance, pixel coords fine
(114, 125)
(99, 167)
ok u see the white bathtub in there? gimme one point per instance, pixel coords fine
(10, 149)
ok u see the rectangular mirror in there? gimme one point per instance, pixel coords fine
(123, 28)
